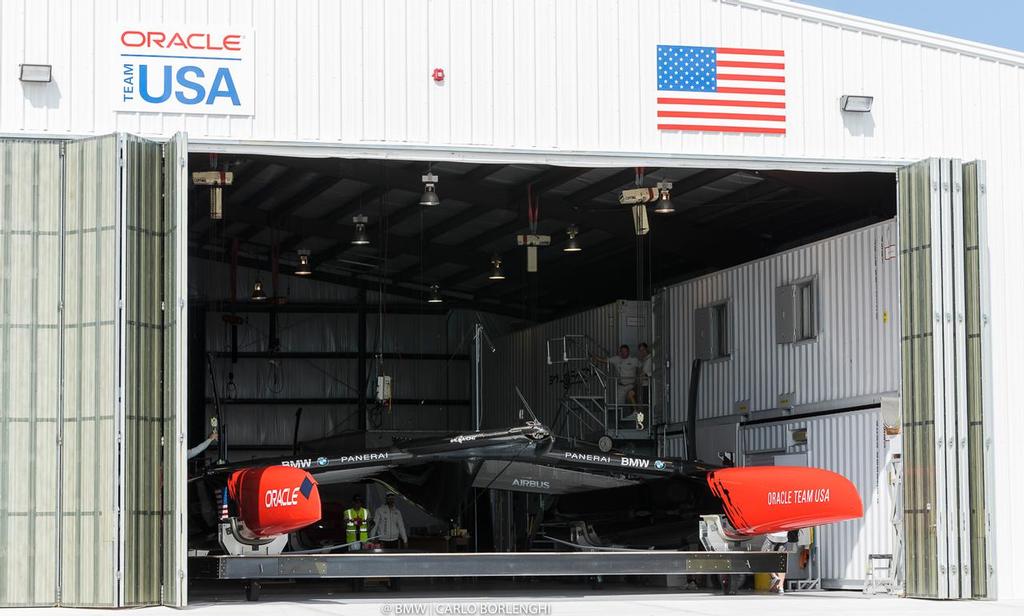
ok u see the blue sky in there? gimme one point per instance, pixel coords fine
(996, 22)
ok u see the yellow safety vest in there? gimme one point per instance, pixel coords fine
(357, 524)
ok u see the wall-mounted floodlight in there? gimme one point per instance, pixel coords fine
(856, 103)
(36, 73)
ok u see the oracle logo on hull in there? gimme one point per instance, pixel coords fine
(285, 497)
(185, 70)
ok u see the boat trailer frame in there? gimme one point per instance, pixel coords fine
(252, 569)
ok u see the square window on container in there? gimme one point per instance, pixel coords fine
(796, 312)
(711, 331)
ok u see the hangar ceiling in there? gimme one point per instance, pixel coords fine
(723, 217)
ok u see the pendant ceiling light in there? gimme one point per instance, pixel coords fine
(429, 197)
(303, 268)
(496, 272)
(664, 205)
(258, 295)
(360, 238)
(573, 246)
(435, 295)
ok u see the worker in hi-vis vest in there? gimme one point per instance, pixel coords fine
(357, 524)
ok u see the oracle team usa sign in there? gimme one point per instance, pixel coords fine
(188, 69)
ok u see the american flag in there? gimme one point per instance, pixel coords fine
(727, 89)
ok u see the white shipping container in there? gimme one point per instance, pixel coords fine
(852, 444)
(855, 358)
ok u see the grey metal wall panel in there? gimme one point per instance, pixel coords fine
(764, 438)
(90, 365)
(853, 445)
(520, 359)
(306, 332)
(915, 195)
(175, 399)
(939, 361)
(855, 356)
(266, 425)
(144, 287)
(978, 403)
(30, 209)
(312, 378)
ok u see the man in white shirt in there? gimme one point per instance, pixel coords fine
(643, 354)
(389, 525)
(626, 371)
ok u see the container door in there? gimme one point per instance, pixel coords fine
(153, 300)
(939, 296)
(90, 532)
(30, 341)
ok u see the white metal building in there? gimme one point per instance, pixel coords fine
(536, 81)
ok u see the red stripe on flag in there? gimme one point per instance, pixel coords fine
(751, 52)
(772, 78)
(714, 115)
(771, 91)
(723, 129)
(720, 103)
(738, 64)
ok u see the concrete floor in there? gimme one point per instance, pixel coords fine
(553, 598)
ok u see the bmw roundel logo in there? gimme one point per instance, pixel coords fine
(322, 461)
(658, 464)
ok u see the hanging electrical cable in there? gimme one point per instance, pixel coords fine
(639, 246)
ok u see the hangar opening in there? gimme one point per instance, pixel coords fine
(514, 444)
(350, 306)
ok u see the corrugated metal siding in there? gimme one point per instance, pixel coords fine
(30, 289)
(175, 400)
(88, 507)
(855, 355)
(342, 72)
(415, 379)
(144, 371)
(978, 406)
(520, 359)
(853, 445)
(764, 439)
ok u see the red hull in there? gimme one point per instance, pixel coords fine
(274, 500)
(769, 499)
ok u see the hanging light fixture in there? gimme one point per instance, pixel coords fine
(435, 295)
(430, 197)
(573, 246)
(664, 205)
(360, 238)
(258, 295)
(496, 272)
(303, 268)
